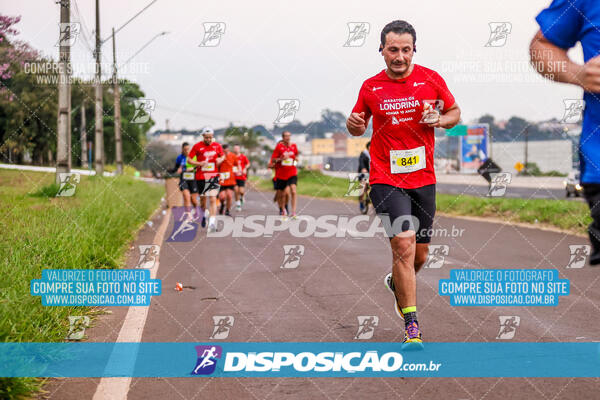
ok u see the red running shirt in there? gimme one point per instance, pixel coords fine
(402, 148)
(285, 169)
(227, 177)
(242, 162)
(209, 153)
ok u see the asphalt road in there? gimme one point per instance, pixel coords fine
(511, 191)
(337, 280)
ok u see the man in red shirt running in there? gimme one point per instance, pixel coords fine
(407, 101)
(207, 155)
(286, 175)
(241, 175)
(227, 180)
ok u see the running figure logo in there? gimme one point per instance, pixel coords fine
(366, 326)
(222, 325)
(499, 32)
(142, 110)
(579, 254)
(356, 185)
(148, 256)
(287, 110)
(499, 183)
(292, 255)
(77, 325)
(211, 184)
(573, 111)
(68, 34)
(212, 34)
(436, 257)
(207, 359)
(508, 326)
(184, 228)
(357, 34)
(68, 183)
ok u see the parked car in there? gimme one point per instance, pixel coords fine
(572, 185)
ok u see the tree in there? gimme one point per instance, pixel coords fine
(28, 104)
(486, 119)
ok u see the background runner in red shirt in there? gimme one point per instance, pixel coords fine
(227, 179)
(406, 102)
(207, 156)
(241, 175)
(286, 175)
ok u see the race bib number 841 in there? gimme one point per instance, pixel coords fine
(406, 161)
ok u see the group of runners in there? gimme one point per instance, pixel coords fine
(211, 171)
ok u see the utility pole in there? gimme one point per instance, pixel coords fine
(117, 110)
(83, 136)
(99, 158)
(64, 93)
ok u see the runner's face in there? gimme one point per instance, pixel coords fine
(207, 138)
(236, 149)
(186, 150)
(398, 53)
(287, 137)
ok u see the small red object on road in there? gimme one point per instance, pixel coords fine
(179, 287)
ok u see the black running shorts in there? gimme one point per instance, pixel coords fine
(210, 187)
(240, 182)
(186, 184)
(228, 187)
(401, 210)
(281, 184)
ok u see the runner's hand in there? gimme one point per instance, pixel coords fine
(357, 120)
(588, 76)
(431, 115)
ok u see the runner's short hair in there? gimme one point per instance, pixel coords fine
(225, 146)
(399, 27)
(184, 144)
(368, 144)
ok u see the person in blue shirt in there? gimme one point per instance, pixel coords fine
(562, 25)
(187, 181)
(364, 165)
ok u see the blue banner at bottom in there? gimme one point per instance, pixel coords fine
(299, 359)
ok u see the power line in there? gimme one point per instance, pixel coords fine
(85, 31)
(143, 47)
(129, 20)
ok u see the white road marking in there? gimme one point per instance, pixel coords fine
(131, 331)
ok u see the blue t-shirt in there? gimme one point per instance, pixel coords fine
(180, 161)
(564, 23)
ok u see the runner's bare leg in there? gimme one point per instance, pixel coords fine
(403, 268)
(186, 199)
(229, 199)
(421, 254)
(293, 193)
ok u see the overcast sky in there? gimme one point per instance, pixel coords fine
(295, 50)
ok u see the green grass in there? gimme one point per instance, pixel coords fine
(572, 216)
(311, 183)
(91, 229)
(128, 170)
